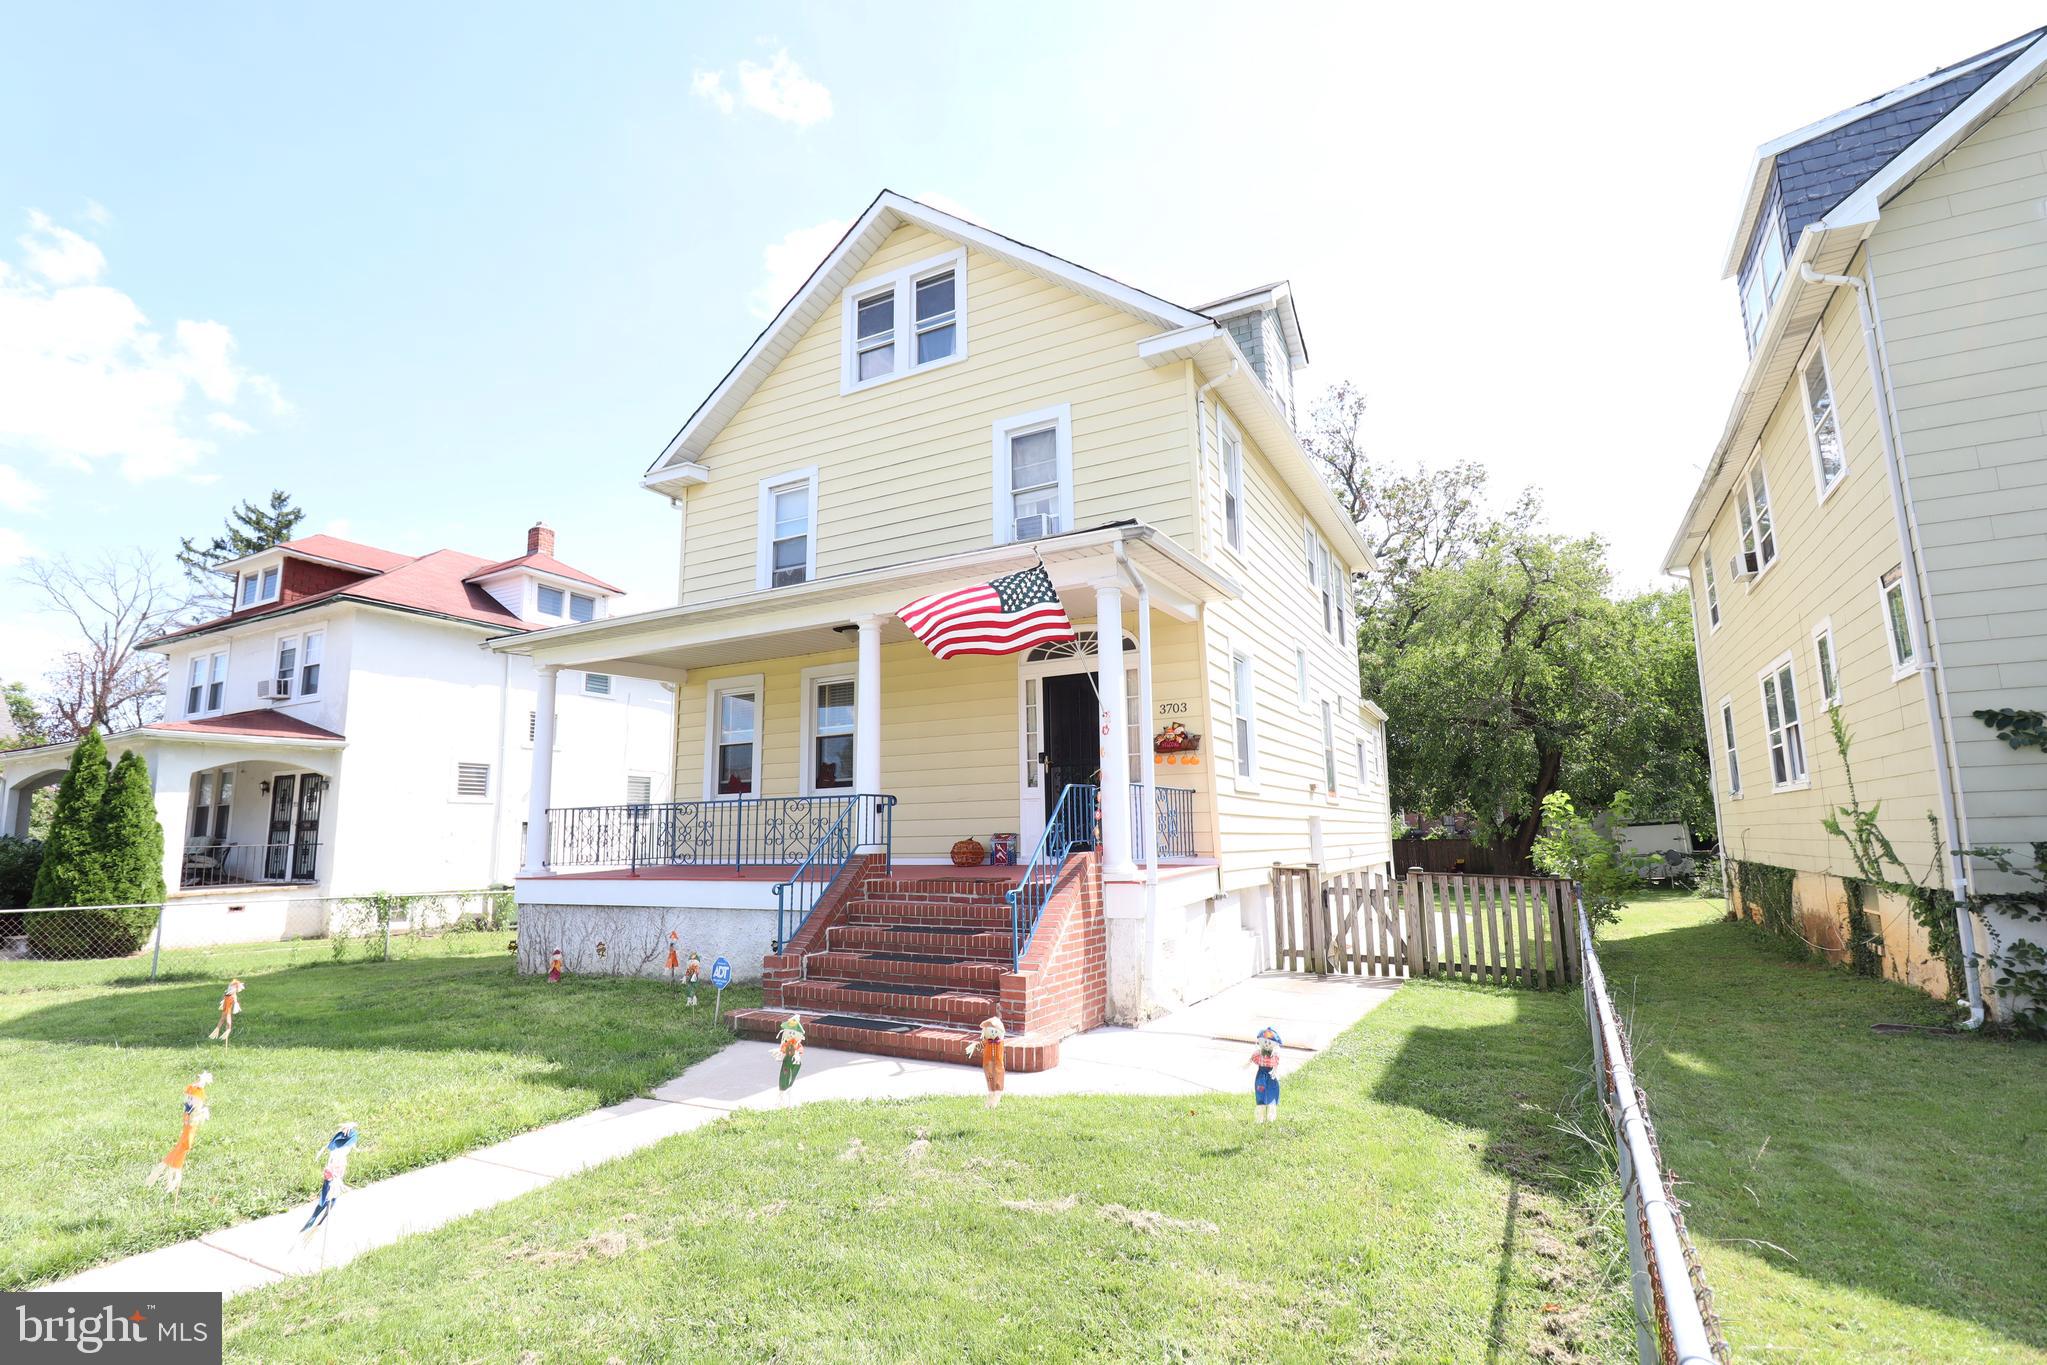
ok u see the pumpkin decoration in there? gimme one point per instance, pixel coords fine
(968, 853)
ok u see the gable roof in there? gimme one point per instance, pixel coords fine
(1279, 296)
(888, 212)
(253, 724)
(1812, 169)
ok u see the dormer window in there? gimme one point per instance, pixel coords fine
(552, 601)
(904, 322)
(259, 587)
(582, 608)
(1765, 277)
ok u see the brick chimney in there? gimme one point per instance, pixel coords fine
(540, 540)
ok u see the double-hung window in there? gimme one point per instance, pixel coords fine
(901, 323)
(1323, 570)
(1034, 474)
(1712, 590)
(1765, 277)
(310, 656)
(1822, 423)
(735, 764)
(261, 587)
(786, 552)
(1232, 446)
(1244, 717)
(1781, 718)
(1825, 665)
(213, 793)
(1727, 741)
(287, 665)
(1752, 509)
(830, 758)
(206, 684)
(1899, 627)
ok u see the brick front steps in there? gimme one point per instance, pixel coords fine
(894, 1038)
(909, 967)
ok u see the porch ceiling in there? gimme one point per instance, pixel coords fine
(817, 618)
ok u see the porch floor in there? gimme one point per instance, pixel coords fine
(781, 872)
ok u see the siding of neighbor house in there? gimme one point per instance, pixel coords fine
(906, 468)
(1830, 559)
(1961, 276)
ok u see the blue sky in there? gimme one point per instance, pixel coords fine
(440, 271)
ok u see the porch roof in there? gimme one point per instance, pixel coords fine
(815, 617)
(256, 729)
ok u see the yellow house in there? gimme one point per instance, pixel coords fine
(1870, 538)
(939, 407)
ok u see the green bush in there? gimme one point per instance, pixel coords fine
(71, 872)
(19, 860)
(1572, 846)
(105, 849)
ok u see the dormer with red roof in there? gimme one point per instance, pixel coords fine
(540, 589)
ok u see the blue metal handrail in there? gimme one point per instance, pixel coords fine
(867, 822)
(1073, 824)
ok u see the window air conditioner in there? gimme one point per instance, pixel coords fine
(273, 689)
(1036, 526)
(1742, 565)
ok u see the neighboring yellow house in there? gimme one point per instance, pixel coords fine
(940, 405)
(1871, 533)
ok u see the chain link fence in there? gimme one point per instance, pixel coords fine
(200, 938)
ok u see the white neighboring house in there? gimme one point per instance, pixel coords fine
(343, 729)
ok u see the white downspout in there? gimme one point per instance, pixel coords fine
(1958, 863)
(1148, 798)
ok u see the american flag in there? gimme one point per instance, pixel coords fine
(1015, 612)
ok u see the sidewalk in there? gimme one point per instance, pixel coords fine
(1198, 1049)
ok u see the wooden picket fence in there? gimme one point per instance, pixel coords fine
(1510, 931)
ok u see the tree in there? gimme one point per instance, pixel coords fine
(115, 603)
(129, 842)
(246, 530)
(71, 873)
(24, 723)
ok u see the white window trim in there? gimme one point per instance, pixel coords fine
(1744, 499)
(755, 683)
(1301, 673)
(297, 642)
(256, 575)
(764, 525)
(812, 678)
(1329, 764)
(306, 639)
(569, 606)
(1901, 670)
(205, 660)
(1825, 631)
(1058, 417)
(1712, 594)
(1228, 438)
(1244, 775)
(490, 777)
(904, 283)
(539, 610)
(1803, 780)
(1730, 749)
(1818, 356)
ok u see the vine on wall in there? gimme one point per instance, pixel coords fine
(1768, 888)
(1865, 934)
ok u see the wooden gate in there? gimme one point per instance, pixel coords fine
(1510, 931)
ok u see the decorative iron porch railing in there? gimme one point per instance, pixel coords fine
(210, 864)
(867, 823)
(1175, 813)
(746, 831)
(1072, 826)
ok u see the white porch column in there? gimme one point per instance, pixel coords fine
(867, 710)
(541, 790)
(1115, 733)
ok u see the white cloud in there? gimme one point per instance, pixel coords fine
(17, 494)
(789, 262)
(85, 377)
(96, 213)
(710, 86)
(780, 90)
(14, 547)
(229, 423)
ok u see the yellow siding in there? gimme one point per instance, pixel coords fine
(906, 469)
(1961, 275)
(1280, 612)
(1830, 558)
(950, 736)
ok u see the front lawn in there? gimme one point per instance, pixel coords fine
(433, 1056)
(1854, 1196)
(1418, 1201)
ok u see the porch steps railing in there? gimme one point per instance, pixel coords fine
(1173, 809)
(735, 832)
(1074, 824)
(867, 822)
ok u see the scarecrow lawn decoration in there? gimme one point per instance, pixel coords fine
(554, 965)
(673, 960)
(171, 1170)
(690, 973)
(989, 1045)
(1265, 1076)
(333, 1174)
(789, 1047)
(230, 1006)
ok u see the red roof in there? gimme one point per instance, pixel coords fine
(546, 564)
(345, 552)
(261, 724)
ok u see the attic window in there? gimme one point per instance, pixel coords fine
(930, 296)
(1765, 277)
(550, 601)
(582, 608)
(260, 587)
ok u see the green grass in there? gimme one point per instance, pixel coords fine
(1854, 1196)
(433, 1055)
(1419, 1202)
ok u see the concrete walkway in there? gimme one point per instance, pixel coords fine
(1199, 1049)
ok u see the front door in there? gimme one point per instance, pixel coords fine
(283, 799)
(1073, 742)
(305, 843)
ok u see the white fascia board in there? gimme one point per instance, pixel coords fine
(1751, 210)
(673, 480)
(889, 211)
(239, 741)
(1370, 708)
(1861, 208)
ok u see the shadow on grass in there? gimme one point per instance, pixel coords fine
(1907, 1167)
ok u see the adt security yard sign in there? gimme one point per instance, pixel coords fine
(721, 977)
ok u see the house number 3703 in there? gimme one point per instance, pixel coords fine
(1172, 708)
